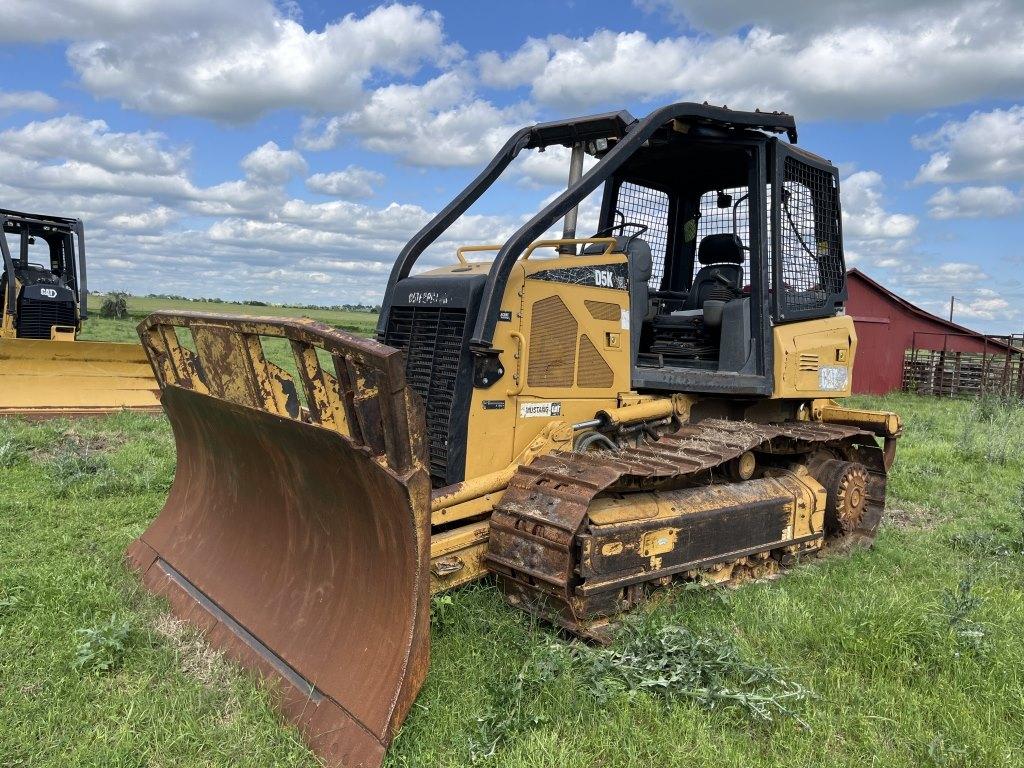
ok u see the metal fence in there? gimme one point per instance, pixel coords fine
(996, 370)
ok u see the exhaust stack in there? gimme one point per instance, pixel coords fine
(575, 174)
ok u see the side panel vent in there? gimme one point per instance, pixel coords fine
(809, 362)
(603, 310)
(552, 344)
(594, 370)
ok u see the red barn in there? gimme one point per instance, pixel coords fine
(888, 325)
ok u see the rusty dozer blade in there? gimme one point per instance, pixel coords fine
(297, 539)
(45, 379)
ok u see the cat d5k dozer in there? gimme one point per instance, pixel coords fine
(44, 369)
(586, 418)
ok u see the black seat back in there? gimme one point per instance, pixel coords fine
(721, 274)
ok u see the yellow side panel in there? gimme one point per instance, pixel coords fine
(565, 351)
(576, 337)
(492, 423)
(815, 358)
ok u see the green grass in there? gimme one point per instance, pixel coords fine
(96, 328)
(911, 654)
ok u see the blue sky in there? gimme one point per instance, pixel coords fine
(285, 151)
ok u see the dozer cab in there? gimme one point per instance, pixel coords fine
(587, 418)
(44, 369)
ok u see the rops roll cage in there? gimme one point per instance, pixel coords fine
(630, 135)
(70, 227)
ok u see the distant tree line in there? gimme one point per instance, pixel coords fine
(257, 303)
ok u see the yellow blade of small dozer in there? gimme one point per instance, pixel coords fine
(40, 378)
(300, 546)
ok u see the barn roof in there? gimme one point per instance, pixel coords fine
(923, 314)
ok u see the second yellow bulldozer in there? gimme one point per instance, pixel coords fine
(45, 370)
(587, 418)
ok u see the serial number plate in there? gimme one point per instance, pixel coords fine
(833, 378)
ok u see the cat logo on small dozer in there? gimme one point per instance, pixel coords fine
(680, 423)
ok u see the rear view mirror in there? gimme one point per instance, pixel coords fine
(724, 200)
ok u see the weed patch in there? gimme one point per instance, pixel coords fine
(10, 600)
(102, 647)
(668, 662)
(13, 452)
(75, 466)
(992, 430)
(961, 606)
(672, 661)
(82, 467)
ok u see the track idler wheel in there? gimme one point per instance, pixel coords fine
(847, 485)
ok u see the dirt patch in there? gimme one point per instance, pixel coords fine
(201, 662)
(911, 517)
(73, 441)
(195, 656)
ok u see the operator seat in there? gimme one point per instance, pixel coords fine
(720, 277)
(639, 267)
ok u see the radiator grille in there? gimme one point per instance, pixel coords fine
(553, 329)
(603, 310)
(432, 339)
(35, 318)
(594, 370)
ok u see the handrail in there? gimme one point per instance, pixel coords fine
(608, 242)
(474, 249)
(519, 377)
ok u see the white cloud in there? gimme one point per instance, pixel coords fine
(71, 158)
(349, 183)
(117, 264)
(439, 123)
(152, 220)
(798, 15)
(950, 273)
(930, 283)
(986, 146)
(269, 164)
(238, 66)
(91, 141)
(26, 101)
(147, 219)
(854, 70)
(550, 168)
(520, 67)
(865, 217)
(873, 235)
(34, 22)
(996, 308)
(975, 203)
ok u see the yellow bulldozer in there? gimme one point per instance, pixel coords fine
(45, 370)
(585, 418)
